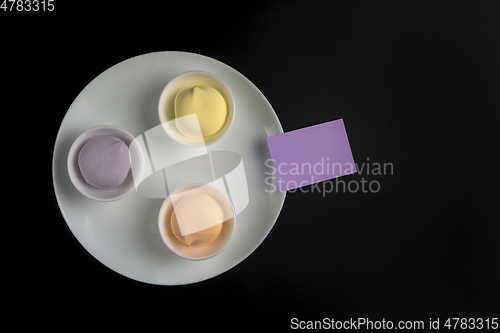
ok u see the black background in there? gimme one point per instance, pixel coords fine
(417, 84)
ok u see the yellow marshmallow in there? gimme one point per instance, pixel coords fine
(210, 108)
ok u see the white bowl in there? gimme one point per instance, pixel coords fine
(196, 252)
(166, 111)
(76, 176)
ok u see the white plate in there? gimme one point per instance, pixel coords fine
(123, 235)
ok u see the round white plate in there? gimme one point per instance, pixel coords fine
(123, 235)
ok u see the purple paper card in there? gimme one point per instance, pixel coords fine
(311, 155)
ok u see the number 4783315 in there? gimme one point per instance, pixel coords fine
(27, 5)
(471, 323)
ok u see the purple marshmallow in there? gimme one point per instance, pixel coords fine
(104, 161)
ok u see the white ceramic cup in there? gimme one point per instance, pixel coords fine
(76, 176)
(166, 109)
(200, 252)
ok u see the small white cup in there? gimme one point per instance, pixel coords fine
(166, 108)
(201, 252)
(76, 176)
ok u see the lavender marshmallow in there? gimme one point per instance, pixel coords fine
(104, 161)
